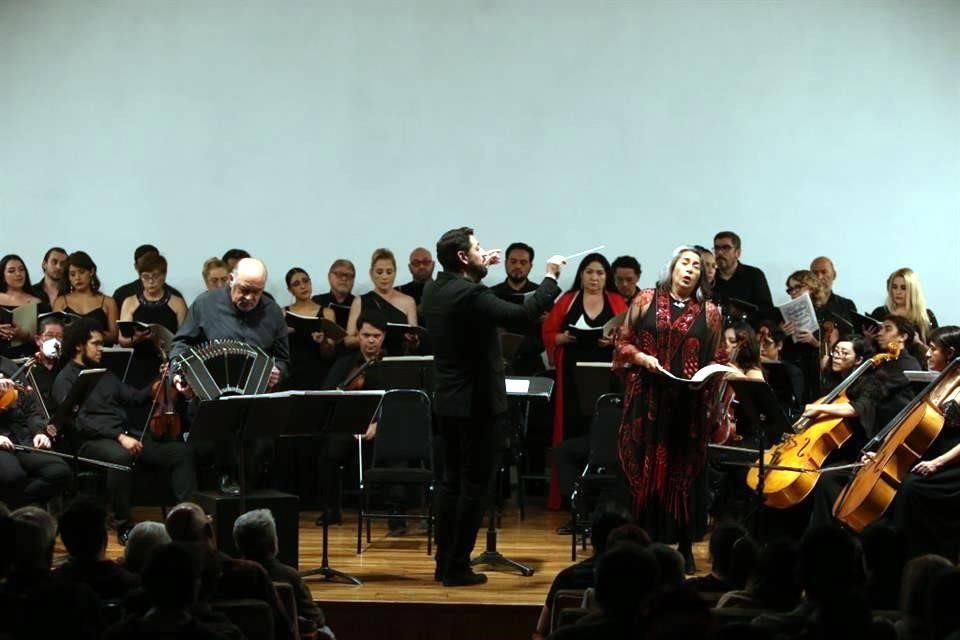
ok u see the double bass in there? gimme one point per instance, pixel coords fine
(902, 444)
(793, 465)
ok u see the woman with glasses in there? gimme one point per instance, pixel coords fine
(80, 295)
(153, 304)
(905, 298)
(803, 347)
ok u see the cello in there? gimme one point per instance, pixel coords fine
(899, 447)
(794, 464)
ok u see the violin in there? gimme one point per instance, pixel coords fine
(795, 463)
(10, 395)
(902, 444)
(357, 378)
(164, 422)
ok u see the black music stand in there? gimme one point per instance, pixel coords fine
(406, 372)
(526, 389)
(593, 380)
(335, 412)
(117, 359)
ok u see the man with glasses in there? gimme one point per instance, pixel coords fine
(341, 277)
(735, 279)
(421, 268)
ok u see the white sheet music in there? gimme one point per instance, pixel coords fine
(801, 313)
(517, 386)
(702, 374)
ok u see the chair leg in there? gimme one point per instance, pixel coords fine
(360, 507)
(368, 531)
(430, 521)
(573, 523)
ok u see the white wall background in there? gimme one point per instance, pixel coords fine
(308, 130)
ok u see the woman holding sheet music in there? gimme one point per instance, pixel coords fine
(573, 332)
(14, 284)
(666, 425)
(396, 307)
(803, 347)
(311, 352)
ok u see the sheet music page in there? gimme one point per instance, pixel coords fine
(801, 313)
(702, 374)
(517, 386)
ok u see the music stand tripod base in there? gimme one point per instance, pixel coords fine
(494, 558)
(329, 574)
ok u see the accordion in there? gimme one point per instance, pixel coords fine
(225, 367)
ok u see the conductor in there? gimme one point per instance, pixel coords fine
(462, 316)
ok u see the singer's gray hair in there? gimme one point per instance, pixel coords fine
(666, 276)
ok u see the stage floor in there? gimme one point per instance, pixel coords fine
(398, 569)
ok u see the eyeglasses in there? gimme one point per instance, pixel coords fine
(151, 277)
(795, 288)
(839, 353)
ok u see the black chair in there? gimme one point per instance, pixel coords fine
(402, 455)
(601, 469)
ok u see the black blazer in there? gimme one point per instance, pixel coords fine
(462, 318)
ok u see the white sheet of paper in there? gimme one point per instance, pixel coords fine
(517, 386)
(702, 374)
(801, 313)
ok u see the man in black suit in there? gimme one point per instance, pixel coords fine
(462, 316)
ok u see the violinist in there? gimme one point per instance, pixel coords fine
(927, 506)
(104, 432)
(26, 477)
(874, 399)
(352, 371)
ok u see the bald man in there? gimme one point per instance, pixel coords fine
(822, 267)
(421, 268)
(241, 312)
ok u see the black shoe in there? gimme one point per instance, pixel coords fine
(466, 579)
(123, 533)
(689, 566)
(229, 486)
(437, 575)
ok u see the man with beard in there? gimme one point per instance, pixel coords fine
(421, 268)
(49, 287)
(102, 429)
(462, 316)
(519, 261)
(735, 279)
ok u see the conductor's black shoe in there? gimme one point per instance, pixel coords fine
(123, 533)
(466, 579)
(229, 486)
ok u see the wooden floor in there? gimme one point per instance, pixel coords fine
(397, 568)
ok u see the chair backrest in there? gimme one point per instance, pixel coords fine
(603, 430)
(405, 430)
(253, 617)
(564, 599)
(289, 601)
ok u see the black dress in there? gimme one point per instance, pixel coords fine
(576, 418)
(146, 361)
(98, 315)
(373, 302)
(308, 364)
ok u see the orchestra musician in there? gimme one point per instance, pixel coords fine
(104, 433)
(927, 507)
(26, 477)
(666, 426)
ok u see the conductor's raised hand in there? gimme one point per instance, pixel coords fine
(555, 264)
(491, 257)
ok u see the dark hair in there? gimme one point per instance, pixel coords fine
(10, 257)
(519, 246)
(171, 576)
(904, 327)
(602, 523)
(776, 333)
(49, 320)
(884, 557)
(46, 256)
(862, 348)
(774, 581)
(625, 577)
(829, 563)
(729, 235)
(451, 243)
(235, 254)
(588, 259)
(152, 261)
(626, 262)
(76, 335)
(947, 338)
(80, 260)
(722, 541)
(703, 289)
(83, 529)
(287, 278)
(143, 250)
(374, 319)
(748, 346)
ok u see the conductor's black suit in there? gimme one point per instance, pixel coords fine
(462, 318)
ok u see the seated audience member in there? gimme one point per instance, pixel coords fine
(83, 529)
(421, 269)
(48, 288)
(918, 578)
(239, 579)
(773, 584)
(626, 275)
(678, 612)
(255, 534)
(136, 286)
(627, 576)
(27, 476)
(673, 568)
(341, 277)
(943, 615)
(581, 574)
(144, 538)
(905, 298)
(884, 557)
(215, 273)
(171, 582)
(35, 534)
(103, 430)
(80, 295)
(233, 256)
(395, 307)
(15, 342)
(153, 303)
(722, 542)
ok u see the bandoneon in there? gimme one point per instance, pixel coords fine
(225, 367)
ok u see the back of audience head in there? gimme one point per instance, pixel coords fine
(743, 561)
(602, 523)
(255, 534)
(83, 529)
(722, 542)
(187, 522)
(670, 563)
(628, 533)
(171, 577)
(680, 613)
(942, 610)
(918, 575)
(143, 539)
(625, 578)
(884, 553)
(774, 581)
(830, 563)
(35, 533)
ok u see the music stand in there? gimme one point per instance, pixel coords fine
(526, 389)
(117, 360)
(593, 379)
(406, 372)
(762, 411)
